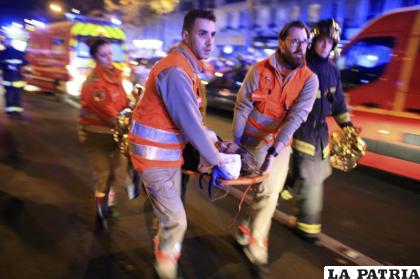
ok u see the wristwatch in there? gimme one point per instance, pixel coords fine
(272, 151)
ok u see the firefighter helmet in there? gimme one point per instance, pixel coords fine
(328, 28)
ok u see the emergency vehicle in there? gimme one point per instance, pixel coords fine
(381, 80)
(58, 54)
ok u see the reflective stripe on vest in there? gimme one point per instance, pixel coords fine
(260, 127)
(156, 135)
(17, 84)
(155, 153)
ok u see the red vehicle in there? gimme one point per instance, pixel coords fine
(381, 79)
(58, 54)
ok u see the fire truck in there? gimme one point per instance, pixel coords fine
(58, 54)
(381, 80)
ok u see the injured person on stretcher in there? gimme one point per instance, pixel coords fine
(239, 162)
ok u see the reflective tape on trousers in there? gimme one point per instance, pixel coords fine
(156, 135)
(155, 153)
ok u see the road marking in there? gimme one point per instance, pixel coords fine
(325, 240)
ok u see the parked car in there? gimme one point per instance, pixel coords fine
(222, 89)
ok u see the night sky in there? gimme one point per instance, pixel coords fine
(18, 10)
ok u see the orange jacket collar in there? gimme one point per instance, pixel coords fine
(110, 75)
(196, 63)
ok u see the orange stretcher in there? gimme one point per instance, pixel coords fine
(241, 181)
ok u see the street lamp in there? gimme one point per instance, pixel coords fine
(56, 8)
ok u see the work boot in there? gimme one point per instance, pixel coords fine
(308, 237)
(166, 264)
(102, 212)
(242, 235)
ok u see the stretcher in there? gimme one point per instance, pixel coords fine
(248, 181)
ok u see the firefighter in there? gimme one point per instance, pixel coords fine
(167, 117)
(12, 62)
(273, 101)
(310, 162)
(102, 98)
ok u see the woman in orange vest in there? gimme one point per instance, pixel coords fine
(102, 98)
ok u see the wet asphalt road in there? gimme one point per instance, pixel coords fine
(47, 214)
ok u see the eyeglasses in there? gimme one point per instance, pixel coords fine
(295, 43)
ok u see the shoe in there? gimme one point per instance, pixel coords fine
(259, 269)
(102, 212)
(242, 235)
(166, 264)
(310, 238)
(166, 268)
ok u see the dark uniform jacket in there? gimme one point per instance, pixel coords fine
(11, 62)
(311, 139)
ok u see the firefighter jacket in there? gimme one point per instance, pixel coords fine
(270, 107)
(312, 137)
(168, 114)
(11, 64)
(102, 98)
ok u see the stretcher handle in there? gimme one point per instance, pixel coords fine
(241, 181)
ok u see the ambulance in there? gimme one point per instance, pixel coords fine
(58, 54)
(381, 79)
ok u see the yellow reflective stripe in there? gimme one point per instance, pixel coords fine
(75, 30)
(96, 31)
(286, 195)
(318, 94)
(120, 33)
(303, 147)
(108, 32)
(309, 228)
(87, 30)
(18, 84)
(343, 118)
(326, 151)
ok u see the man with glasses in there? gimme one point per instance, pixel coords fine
(274, 100)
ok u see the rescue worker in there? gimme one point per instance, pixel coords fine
(12, 62)
(273, 101)
(168, 116)
(102, 98)
(310, 142)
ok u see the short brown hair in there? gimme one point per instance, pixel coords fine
(284, 32)
(192, 15)
(94, 46)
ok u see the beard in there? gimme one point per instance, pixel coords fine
(291, 60)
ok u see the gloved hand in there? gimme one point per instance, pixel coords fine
(265, 167)
(218, 173)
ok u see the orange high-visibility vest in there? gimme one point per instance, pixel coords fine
(102, 98)
(155, 141)
(272, 101)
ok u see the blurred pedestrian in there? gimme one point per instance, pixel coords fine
(167, 117)
(310, 160)
(273, 101)
(12, 62)
(102, 98)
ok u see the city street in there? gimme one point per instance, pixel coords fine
(47, 217)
